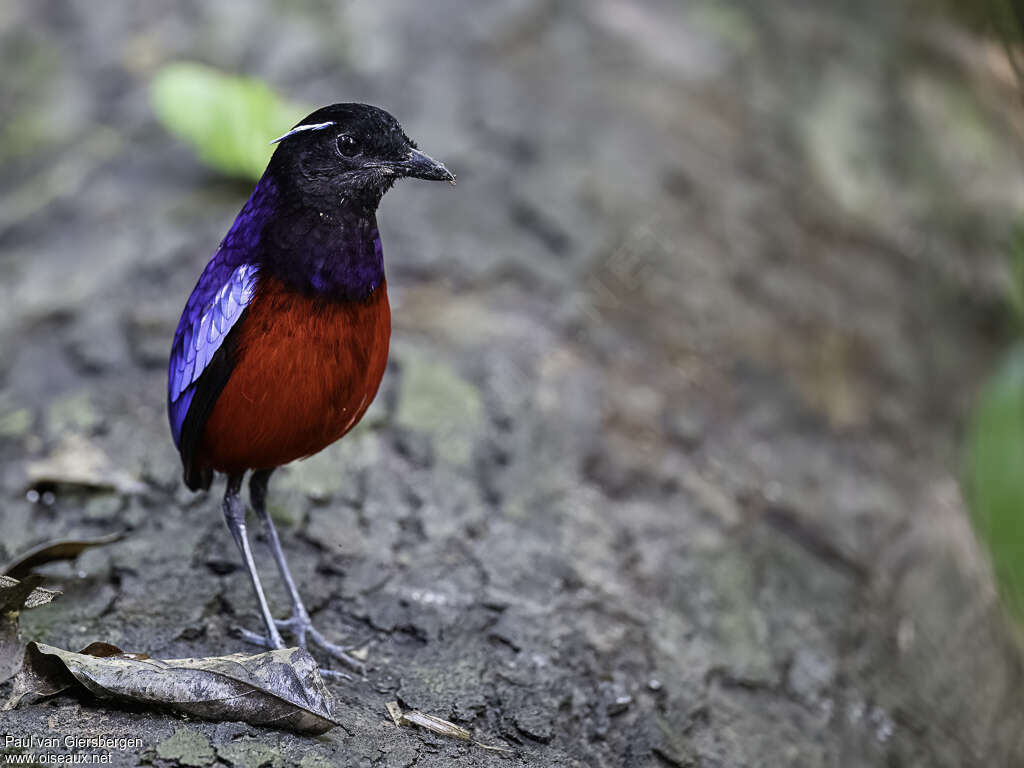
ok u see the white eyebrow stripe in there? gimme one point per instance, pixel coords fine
(300, 128)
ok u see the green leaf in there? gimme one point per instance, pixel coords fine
(995, 476)
(228, 120)
(1016, 296)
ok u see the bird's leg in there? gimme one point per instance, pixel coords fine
(299, 623)
(234, 514)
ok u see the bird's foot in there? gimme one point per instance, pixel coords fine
(255, 638)
(301, 627)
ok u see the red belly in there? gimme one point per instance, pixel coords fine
(306, 371)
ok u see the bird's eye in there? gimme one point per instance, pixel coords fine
(347, 145)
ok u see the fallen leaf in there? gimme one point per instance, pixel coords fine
(281, 689)
(48, 552)
(103, 650)
(15, 595)
(47, 676)
(10, 647)
(78, 462)
(40, 676)
(229, 121)
(993, 482)
(436, 725)
(10, 590)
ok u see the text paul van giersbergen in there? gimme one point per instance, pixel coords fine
(32, 741)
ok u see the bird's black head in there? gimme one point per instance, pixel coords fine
(350, 151)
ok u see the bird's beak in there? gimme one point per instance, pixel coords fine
(420, 166)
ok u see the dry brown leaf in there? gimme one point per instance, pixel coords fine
(14, 596)
(281, 689)
(77, 461)
(36, 596)
(50, 551)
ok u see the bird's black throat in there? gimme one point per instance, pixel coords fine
(324, 246)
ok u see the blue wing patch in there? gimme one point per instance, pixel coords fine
(219, 299)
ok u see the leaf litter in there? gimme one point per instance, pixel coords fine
(280, 689)
(436, 725)
(77, 462)
(19, 589)
(14, 596)
(51, 551)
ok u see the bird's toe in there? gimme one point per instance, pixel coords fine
(341, 653)
(255, 638)
(296, 627)
(300, 627)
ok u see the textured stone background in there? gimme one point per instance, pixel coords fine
(664, 467)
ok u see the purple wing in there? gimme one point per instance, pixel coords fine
(217, 302)
(204, 324)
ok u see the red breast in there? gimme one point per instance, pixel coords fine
(306, 371)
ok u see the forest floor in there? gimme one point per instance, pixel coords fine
(664, 469)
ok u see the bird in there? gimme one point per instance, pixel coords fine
(283, 343)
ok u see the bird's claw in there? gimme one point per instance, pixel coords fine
(255, 638)
(301, 627)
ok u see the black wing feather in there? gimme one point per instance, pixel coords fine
(207, 390)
